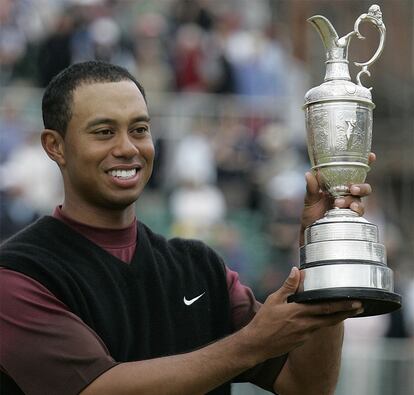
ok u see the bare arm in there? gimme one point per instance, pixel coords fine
(192, 373)
(313, 368)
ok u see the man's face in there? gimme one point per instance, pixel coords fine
(108, 148)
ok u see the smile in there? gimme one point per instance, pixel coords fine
(123, 174)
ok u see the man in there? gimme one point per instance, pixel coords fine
(93, 302)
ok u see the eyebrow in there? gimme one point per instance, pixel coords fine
(110, 121)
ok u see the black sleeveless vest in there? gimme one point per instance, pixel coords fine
(137, 309)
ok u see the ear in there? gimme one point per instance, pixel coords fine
(54, 145)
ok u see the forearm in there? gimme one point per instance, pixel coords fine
(313, 368)
(192, 373)
(264, 374)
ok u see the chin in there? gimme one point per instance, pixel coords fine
(121, 203)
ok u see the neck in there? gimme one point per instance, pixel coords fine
(100, 217)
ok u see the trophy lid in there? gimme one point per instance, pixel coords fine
(339, 90)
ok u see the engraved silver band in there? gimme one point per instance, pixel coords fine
(341, 231)
(347, 275)
(334, 250)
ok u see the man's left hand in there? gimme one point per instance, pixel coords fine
(318, 202)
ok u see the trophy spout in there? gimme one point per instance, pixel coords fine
(327, 32)
(336, 49)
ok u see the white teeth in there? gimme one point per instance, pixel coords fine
(123, 173)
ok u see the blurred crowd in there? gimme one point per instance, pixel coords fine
(225, 96)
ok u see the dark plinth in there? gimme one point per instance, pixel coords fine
(374, 301)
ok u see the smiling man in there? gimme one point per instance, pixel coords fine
(94, 302)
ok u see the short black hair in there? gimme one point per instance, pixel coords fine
(58, 96)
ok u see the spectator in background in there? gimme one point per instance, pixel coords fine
(13, 41)
(233, 155)
(258, 64)
(149, 33)
(197, 205)
(13, 130)
(107, 43)
(29, 186)
(197, 209)
(188, 59)
(15, 211)
(217, 71)
(55, 52)
(192, 12)
(193, 158)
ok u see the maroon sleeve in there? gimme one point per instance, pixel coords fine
(44, 347)
(243, 304)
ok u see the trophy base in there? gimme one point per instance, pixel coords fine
(342, 259)
(374, 301)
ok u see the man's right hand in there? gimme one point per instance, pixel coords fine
(280, 327)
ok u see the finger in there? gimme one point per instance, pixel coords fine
(371, 158)
(358, 207)
(335, 307)
(351, 202)
(360, 189)
(336, 318)
(289, 287)
(312, 189)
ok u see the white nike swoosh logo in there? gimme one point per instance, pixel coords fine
(191, 301)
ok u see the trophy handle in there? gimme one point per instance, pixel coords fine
(374, 16)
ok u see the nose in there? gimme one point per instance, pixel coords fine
(124, 146)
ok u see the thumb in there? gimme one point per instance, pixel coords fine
(290, 285)
(312, 195)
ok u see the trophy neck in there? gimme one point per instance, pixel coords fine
(337, 70)
(337, 214)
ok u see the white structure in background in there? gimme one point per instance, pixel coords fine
(32, 177)
(196, 203)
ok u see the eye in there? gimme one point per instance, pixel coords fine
(103, 132)
(140, 130)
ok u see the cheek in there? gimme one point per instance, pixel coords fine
(82, 163)
(148, 151)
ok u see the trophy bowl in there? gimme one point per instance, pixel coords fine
(339, 135)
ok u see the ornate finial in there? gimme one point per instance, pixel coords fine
(375, 12)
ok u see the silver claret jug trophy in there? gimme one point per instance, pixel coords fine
(342, 257)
